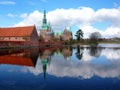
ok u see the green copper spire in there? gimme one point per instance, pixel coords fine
(45, 26)
(44, 18)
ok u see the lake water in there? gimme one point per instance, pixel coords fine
(61, 68)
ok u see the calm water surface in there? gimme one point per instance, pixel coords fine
(61, 68)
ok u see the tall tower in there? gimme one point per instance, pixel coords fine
(44, 22)
(45, 31)
(44, 18)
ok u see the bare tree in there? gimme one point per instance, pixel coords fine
(94, 37)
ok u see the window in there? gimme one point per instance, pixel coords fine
(1, 38)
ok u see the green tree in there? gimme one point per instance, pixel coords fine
(79, 34)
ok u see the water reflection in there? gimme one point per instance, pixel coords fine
(67, 52)
(93, 61)
(19, 57)
(79, 52)
(95, 51)
(45, 57)
(76, 63)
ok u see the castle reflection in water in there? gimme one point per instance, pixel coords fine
(29, 57)
(56, 68)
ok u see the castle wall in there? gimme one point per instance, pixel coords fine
(66, 35)
(14, 38)
(34, 39)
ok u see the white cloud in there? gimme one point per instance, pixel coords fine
(111, 54)
(112, 32)
(31, 19)
(83, 17)
(86, 56)
(24, 15)
(7, 3)
(11, 15)
(109, 15)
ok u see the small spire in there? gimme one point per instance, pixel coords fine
(44, 12)
(44, 17)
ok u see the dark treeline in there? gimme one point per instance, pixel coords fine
(94, 39)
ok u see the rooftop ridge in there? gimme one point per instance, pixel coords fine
(18, 27)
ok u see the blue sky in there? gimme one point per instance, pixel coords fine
(12, 12)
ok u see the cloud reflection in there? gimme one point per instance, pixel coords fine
(84, 68)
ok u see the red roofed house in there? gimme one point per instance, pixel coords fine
(13, 36)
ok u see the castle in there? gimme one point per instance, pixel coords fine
(28, 36)
(46, 34)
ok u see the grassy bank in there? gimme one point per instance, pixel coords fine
(87, 42)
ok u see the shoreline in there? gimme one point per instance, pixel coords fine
(50, 46)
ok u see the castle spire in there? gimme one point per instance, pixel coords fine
(44, 18)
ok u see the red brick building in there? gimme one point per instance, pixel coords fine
(19, 36)
(66, 35)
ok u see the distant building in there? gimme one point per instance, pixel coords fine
(57, 36)
(66, 35)
(45, 32)
(19, 35)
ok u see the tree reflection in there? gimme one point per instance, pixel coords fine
(95, 51)
(79, 53)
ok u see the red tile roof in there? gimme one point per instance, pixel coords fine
(16, 31)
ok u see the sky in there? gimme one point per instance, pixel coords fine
(101, 16)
